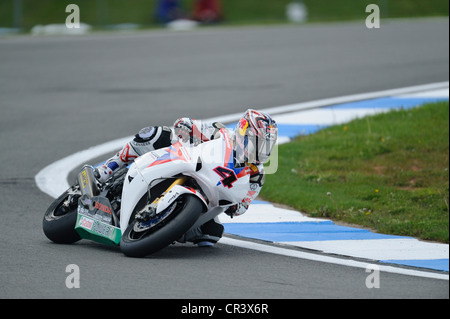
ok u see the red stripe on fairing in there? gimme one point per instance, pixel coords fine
(174, 149)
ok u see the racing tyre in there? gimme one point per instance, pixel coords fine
(141, 239)
(59, 220)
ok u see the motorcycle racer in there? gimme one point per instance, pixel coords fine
(252, 141)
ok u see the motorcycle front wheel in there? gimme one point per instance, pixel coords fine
(59, 220)
(141, 239)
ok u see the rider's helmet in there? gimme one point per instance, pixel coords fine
(255, 136)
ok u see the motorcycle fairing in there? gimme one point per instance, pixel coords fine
(182, 159)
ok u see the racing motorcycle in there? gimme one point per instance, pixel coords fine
(153, 202)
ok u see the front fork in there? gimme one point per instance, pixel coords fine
(149, 210)
(178, 181)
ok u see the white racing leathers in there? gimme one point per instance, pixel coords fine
(148, 139)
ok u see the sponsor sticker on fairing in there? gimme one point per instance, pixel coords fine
(102, 229)
(84, 179)
(86, 223)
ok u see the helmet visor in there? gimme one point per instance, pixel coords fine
(262, 147)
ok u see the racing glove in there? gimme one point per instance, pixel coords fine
(237, 210)
(257, 178)
(183, 128)
(196, 132)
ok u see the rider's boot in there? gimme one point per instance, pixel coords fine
(121, 159)
(206, 235)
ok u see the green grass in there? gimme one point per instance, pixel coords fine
(105, 12)
(388, 172)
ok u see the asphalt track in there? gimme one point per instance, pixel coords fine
(60, 95)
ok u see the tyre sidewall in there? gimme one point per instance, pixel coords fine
(166, 235)
(60, 229)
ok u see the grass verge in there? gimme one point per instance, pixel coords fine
(388, 172)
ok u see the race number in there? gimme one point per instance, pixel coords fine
(228, 176)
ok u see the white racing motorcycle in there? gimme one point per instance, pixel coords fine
(152, 203)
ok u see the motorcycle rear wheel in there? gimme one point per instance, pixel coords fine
(180, 220)
(59, 224)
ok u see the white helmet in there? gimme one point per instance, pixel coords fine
(255, 135)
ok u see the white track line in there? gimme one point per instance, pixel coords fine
(327, 259)
(337, 100)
